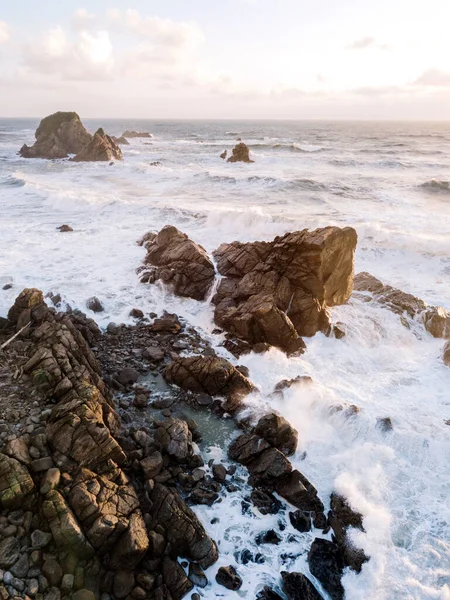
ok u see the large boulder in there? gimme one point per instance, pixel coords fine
(175, 438)
(435, 319)
(326, 564)
(182, 528)
(102, 147)
(57, 136)
(210, 375)
(341, 517)
(278, 432)
(274, 292)
(15, 483)
(446, 354)
(179, 262)
(297, 586)
(240, 153)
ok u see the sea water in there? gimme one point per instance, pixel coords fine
(388, 180)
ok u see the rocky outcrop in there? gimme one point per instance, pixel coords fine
(240, 153)
(274, 292)
(297, 586)
(326, 564)
(446, 354)
(16, 483)
(136, 134)
(57, 136)
(102, 147)
(121, 141)
(210, 375)
(277, 430)
(435, 319)
(341, 517)
(179, 262)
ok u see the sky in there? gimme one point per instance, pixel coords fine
(233, 59)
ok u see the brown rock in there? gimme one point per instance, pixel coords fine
(278, 432)
(446, 354)
(64, 228)
(240, 153)
(15, 483)
(341, 517)
(136, 134)
(246, 448)
(179, 262)
(175, 579)
(101, 148)
(57, 136)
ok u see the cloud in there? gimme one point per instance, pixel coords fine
(82, 19)
(4, 33)
(86, 56)
(364, 42)
(433, 78)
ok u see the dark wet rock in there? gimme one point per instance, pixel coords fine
(197, 575)
(240, 153)
(179, 262)
(52, 570)
(269, 537)
(297, 586)
(9, 552)
(123, 584)
(219, 473)
(157, 544)
(286, 384)
(267, 594)
(246, 448)
(297, 490)
(228, 577)
(95, 305)
(435, 319)
(64, 228)
(175, 579)
(102, 147)
(265, 502)
(210, 375)
(127, 376)
(57, 136)
(326, 564)
(385, 424)
(136, 313)
(175, 438)
(274, 292)
(183, 529)
(341, 517)
(40, 539)
(136, 134)
(223, 155)
(16, 483)
(268, 467)
(300, 520)
(277, 430)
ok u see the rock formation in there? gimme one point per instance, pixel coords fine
(446, 354)
(274, 292)
(102, 147)
(57, 136)
(178, 261)
(120, 140)
(341, 517)
(240, 153)
(435, 319)
(136, 134)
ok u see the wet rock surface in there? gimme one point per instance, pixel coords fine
(240, 153)
(179, 262)
(102, 147)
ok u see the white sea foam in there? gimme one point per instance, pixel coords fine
(398, 480)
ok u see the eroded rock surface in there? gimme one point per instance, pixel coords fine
(102, 147)
(240, 153)
(57, 136)
(274, 292)
(179, 262)
(341, 517)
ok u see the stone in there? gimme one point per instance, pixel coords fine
(132, 545)
(67, 583)
(175, 579)
(102, 147)
(83, 594)
(223, 155)
(268, 467)
(33, 587)
(179, 262)
(277, 430)
(64, 229)
(42, 464)
(40, 539)
(297, 586)
(240, 153)
(275, 292)
(209, 375)
(246, 448)
(228, 577)
(136, 313)
(219, 473)
(265, 502)
(57, 136)
(154, 354)
(53, 594)
(50, 480)
(123, 584)
(15, 483)
(51, 569)
(127, 376)
(21, 566)
(341, 516)
(269, 537)
(297, 490)
(136, 134)
(9, 552)
(326, 564)
(18, 448)
(157, 544)
(197, 575)
(175, 438)
(94, 304)
(446, 354)
(152, 465)
(300, 520)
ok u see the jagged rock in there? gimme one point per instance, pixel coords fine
(297, 490)
(183, 529)
(223, 155)
(435, 319)
(297, 586)
(277, 430)
(102, 147)
(286, 384)
(152, 464)
(175, 438)
(64, 228)
(341, 517)
(175, 579)
(326, 564)
(178, 261)
(265, 502)
(210, 375)
(240, 153)
(9, 552)
(15, 483)
(446, 354)
(64, 526)
(246, 448)
(228, 577)
(269, 466)
(132, 545)
(94, 304)
(300, 520)
(197, 575)
(274, 292)
(122, 141)
(136, 134)
(18, 449)
(269, 537)
(57, 136)
(157, 544)
(127, 376)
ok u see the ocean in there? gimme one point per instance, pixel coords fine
(391, 182)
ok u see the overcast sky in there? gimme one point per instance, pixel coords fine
(293, 59)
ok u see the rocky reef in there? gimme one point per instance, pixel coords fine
(240, 153)
(102, 147)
